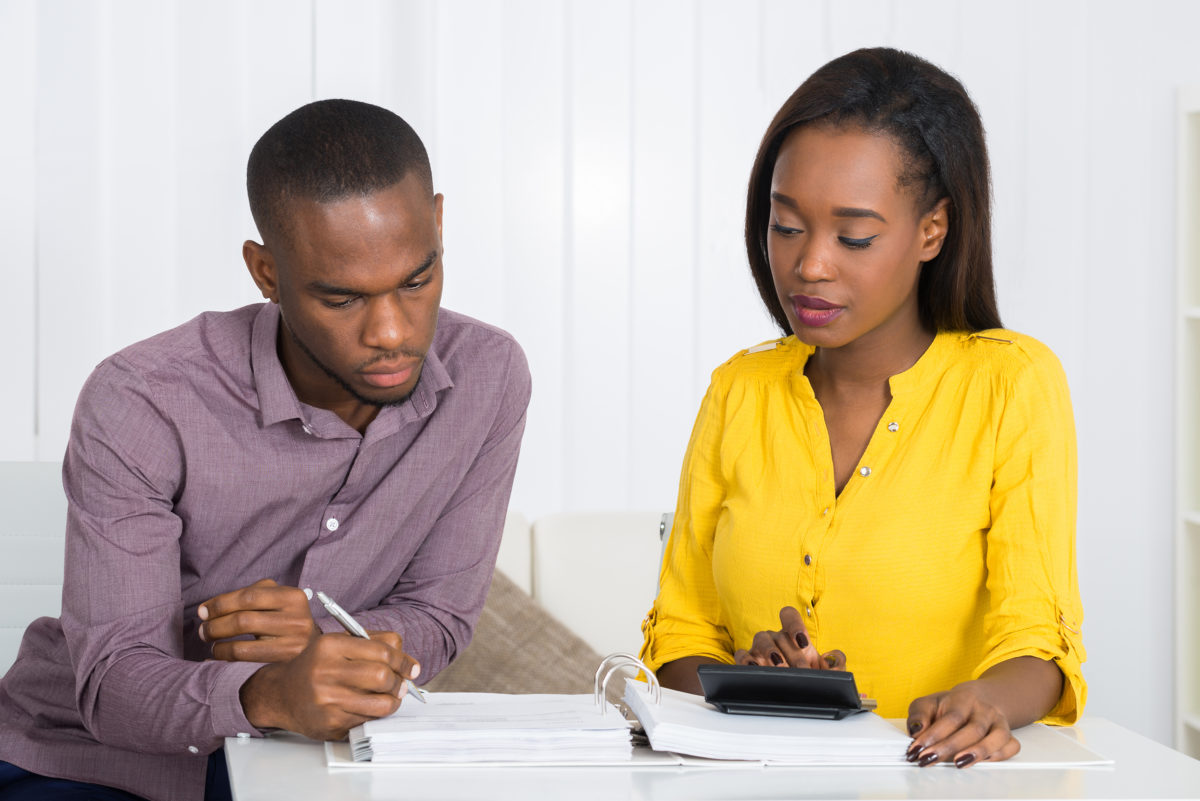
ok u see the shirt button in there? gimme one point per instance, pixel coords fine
(826, 511)
(243, 735)
(331, 524)
(808, 559)
(307, 429)
(864, 471)
(809, 611)
(193, 749)
(893, 427)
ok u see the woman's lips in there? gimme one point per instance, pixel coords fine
(387, 380)
(815, 312)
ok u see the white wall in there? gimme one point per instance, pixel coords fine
(594, 158)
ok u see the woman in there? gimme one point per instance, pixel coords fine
(895, 481)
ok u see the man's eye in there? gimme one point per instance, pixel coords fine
(338, 304)
(416, 284)
(856, 244)
(783, 230)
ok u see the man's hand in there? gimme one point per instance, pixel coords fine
(277, 617)
(337, 682)
(790, 647)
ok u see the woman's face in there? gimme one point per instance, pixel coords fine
(846, 241)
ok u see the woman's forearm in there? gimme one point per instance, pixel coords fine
(1023, 688)
(681, 674)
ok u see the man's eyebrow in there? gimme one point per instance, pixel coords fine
(333, 289)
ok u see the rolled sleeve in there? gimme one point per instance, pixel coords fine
(685, 618)
(1035, 607)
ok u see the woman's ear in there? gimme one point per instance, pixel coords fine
(934, 226)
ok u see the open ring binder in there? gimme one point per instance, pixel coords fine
(611, 665)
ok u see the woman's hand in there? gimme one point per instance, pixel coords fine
(959, 726)
(790, 647)
(973, 722)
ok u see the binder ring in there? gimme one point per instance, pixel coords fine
(611, 665)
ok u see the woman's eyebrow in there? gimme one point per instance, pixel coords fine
(850, 211)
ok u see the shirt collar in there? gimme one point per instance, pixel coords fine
(929, 366)
(277, 400)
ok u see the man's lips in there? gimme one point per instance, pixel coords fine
(386, 376)
(815, 312)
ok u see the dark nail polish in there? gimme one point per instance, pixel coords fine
(801, 640)
(913, 753)
(964, 760)
(928, 759)
(915, 727)
(776, 658)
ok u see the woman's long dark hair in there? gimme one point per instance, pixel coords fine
(929, 114)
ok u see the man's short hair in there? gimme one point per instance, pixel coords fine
(327, 151)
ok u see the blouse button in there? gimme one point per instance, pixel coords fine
(808, 559)
(809, 611)
(826, 511)
(864, 471)
(893, 427)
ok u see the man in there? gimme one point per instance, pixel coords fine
(348, 436)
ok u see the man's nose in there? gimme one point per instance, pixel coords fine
(386, 326)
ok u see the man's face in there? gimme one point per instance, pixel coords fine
(358, 282)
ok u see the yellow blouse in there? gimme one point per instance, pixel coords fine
(951, 548)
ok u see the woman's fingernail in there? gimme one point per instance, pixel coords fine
(928, 759)
(915, 727)
(776, 658)
(913, 752)
(801, 640)
(964, 760)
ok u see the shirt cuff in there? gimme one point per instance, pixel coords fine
(225, 701)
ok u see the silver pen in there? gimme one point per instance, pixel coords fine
(355, 628)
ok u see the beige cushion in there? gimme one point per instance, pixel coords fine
(519, 647)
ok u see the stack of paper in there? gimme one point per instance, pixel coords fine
(686, 724)
(489, 727)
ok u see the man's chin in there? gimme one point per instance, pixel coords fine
(383, 397)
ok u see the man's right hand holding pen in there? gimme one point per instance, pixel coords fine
(319, 685)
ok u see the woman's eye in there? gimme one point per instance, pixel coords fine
(856, 244)
(783, 230)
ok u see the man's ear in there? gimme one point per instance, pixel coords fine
(261, 264)
(437, 211)
(934, 227)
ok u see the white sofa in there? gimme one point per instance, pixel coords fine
(596, 573)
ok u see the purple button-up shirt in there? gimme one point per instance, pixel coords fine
(193, 470)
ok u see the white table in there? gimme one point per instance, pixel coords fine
(290, 767)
